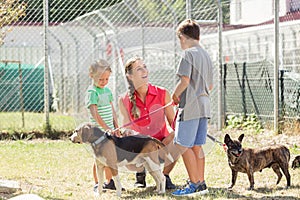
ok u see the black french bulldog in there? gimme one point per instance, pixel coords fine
(250, 160)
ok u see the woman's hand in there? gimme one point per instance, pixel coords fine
(129, 132)
(115, 132)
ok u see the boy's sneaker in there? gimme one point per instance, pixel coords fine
(202, 188)
(169, 184)
(189, 190)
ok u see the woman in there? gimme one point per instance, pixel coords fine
(141, 99)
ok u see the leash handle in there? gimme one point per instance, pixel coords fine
(174, 120)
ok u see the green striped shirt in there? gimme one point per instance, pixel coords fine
(102, 97)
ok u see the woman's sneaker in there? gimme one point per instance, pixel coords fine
(169, 184)
(140, 180)
(109, 186)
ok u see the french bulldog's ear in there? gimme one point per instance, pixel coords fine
(241, 137)
(227, 139)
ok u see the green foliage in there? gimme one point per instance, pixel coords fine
(250, 122)
(10, 12)
(154, 10)
(295, 149)
(22, 136)
(226, 12)
(64, 10)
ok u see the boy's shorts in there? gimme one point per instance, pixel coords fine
(191, 133)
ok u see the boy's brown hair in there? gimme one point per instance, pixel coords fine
(189, 28)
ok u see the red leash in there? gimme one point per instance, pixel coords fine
(145, 116)
(208, 135)
(174, 120)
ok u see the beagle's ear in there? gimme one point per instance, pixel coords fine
(86, 132)
(87, 125)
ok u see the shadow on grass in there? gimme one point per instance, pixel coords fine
(4, 196)
(150, 192)
(214, 193)
(265, 190)
(144, 193)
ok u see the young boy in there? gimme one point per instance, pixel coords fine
(100, 108)
(192, 94)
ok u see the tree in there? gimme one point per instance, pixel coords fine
(10, 12)
(63, 10)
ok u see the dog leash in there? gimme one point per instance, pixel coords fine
(215, 140)
(172, 125)
(145, 116)
(208, 135)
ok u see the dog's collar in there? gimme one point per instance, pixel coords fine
(99, 140)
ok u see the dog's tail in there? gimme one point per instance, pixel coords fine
(158, 142)
(286, 152)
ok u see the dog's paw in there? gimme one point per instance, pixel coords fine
(96, 194)
(161, 192)
(229, 188)
(287, 187)
(119, 193)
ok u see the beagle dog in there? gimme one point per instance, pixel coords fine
(134, 152)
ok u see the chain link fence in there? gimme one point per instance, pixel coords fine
(80, 32)
(249, 66)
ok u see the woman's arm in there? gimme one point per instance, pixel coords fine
(115, 121)
(169, 111)
(124, 113)
(125, 118)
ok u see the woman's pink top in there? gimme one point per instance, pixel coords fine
(154, 124)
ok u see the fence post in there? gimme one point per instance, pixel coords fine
(188, 7)
(244, 91)
(46, 76)
(276, 63)
(221, 94)
(21, 93)
(282, 104)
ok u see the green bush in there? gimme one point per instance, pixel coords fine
(250, 122)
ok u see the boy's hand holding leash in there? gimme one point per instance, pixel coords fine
(175, 99)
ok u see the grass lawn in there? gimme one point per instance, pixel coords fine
(59, 169)
(34, 122)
